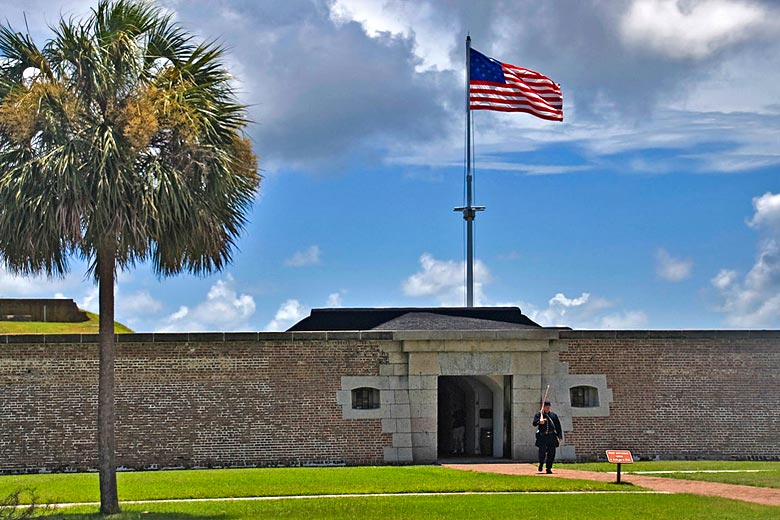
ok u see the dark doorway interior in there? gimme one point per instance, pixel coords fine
(453, 399)
(476, 404)
(507, 417)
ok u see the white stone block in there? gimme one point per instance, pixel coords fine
(422, 410)
(423, 397)
(391, 454)
(421, 439)
(405, 455)
(526, 363)
(387, 397)
(423, 382)
(400, 369)
(402, 440)
(396, 357)
(424, 454)
(344, 397)
(389, 426)
(399, 411)
(401, 396)
(424, 363)
(424, 425)
(522, 382)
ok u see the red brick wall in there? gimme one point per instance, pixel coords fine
(689, 395)
(229, 400)
(187, 404)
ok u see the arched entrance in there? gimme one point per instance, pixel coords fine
(477, 401)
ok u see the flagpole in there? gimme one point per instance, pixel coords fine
(469, 211)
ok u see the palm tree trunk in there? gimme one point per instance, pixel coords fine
(109, 499)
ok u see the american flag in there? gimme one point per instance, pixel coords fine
(500, 86)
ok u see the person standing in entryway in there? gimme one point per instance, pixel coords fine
(459, 432)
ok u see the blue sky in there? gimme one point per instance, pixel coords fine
(655, 204)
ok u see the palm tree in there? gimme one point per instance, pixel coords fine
(121, 141)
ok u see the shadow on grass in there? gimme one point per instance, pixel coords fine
(133, 515)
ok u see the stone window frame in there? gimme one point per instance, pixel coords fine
(597, 381)
(394, 411)
(584, 396)
(350, 383)
(366, 398)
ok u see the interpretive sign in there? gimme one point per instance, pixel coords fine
(619, 457)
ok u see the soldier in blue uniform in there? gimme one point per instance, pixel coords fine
(548, 436)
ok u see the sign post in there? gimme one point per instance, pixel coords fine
(619, 457)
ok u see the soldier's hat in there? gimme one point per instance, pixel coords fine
(547, 403)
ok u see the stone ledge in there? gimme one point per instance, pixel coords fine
(405, 335)
(199, 337)
(669, 334)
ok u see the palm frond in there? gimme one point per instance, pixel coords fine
(131, 134)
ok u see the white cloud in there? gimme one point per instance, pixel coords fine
(224, 308)
(562, 311)
(754, 300)
(14, 286)
(289, 313)
(411, 56)
(624, 320)
(583, 312)
(309, 256)
(682, 30)
(418, 20)
(181, 313)
(444, 280)
(137, 303)
(752, 138)
(89, 301)
(670, 268)
(334, 300)
(767, 212)
(724, 279)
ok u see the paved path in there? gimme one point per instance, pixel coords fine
(758, 495)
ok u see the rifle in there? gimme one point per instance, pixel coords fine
(541, 410)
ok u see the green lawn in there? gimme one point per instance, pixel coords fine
(488, 507)
(767, 476)
(40, 327)
(156, 485)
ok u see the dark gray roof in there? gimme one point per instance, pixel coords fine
(431, 321)
(416, 318)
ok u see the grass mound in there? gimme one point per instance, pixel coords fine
(39, 327)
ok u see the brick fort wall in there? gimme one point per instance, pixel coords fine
(186, 404)
(267, 399)
(682, 394)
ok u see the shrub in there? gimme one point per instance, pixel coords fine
(21, 505)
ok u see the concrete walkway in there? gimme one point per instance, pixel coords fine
(758, 495)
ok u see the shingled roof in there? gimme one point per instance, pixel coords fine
(416, 318)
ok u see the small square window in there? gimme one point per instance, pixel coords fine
(365, 398)
(584, 397)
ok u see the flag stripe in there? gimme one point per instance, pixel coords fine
(515, 107)
(508, 88)
(545, 99)
(503, 100)
(525, 110)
